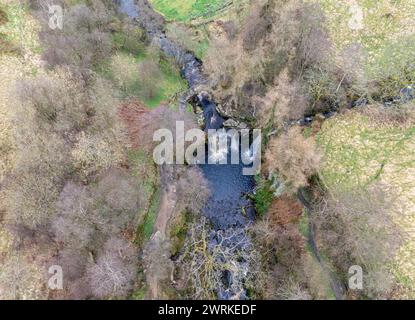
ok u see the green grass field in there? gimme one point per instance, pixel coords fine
(359, 151)
(123, 70)
(385, 30)
(186, 10)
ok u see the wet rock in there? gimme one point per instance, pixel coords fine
(329, 114)
(198, 110)
(224, 111)
(360, 102)
(305, 121)
(407, 94)
(200, 118)
(231, 123)
(227, 278)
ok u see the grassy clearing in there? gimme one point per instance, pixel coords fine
(264, 195)
(171, 84)
(384, 29)
(359, 151)
(142, 165)
(150, 220)
(18, 28)
(187, 10)
(192, 23)
(123, 70)
(195, 39)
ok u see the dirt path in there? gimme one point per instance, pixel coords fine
(166, 211)
(335, 284)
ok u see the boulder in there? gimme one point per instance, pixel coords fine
(231, 123)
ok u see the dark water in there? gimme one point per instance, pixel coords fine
(229, 205)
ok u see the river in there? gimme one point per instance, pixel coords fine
(229, 205)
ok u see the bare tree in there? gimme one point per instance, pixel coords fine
(193, 190)
(114, 272)
(219, 263)
(85, 39)
(118, 198)
(58, 100)
(73, 222)
(294, 156)
(73, 262)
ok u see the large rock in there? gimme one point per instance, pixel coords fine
(224, 111)
(231, 123)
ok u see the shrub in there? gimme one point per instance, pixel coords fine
(118, 200)
(131, 38)
(150, 76)
(356, 228)
(293, 290)
(222, 64)
(124, 74)
(263, 196)
(351, 63)
(136, 118)
(284, 102)
(79, 289)
(285, 210)
(141, 123)
(103, 106)
(73, 223)
(3, 16)
(93, 153)
(40, 167)
(186, 38)
(395, 69)
(73, 262)
(323, 89)
(281, 247)
(256, 26)
(192, 190)
(401, 116)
